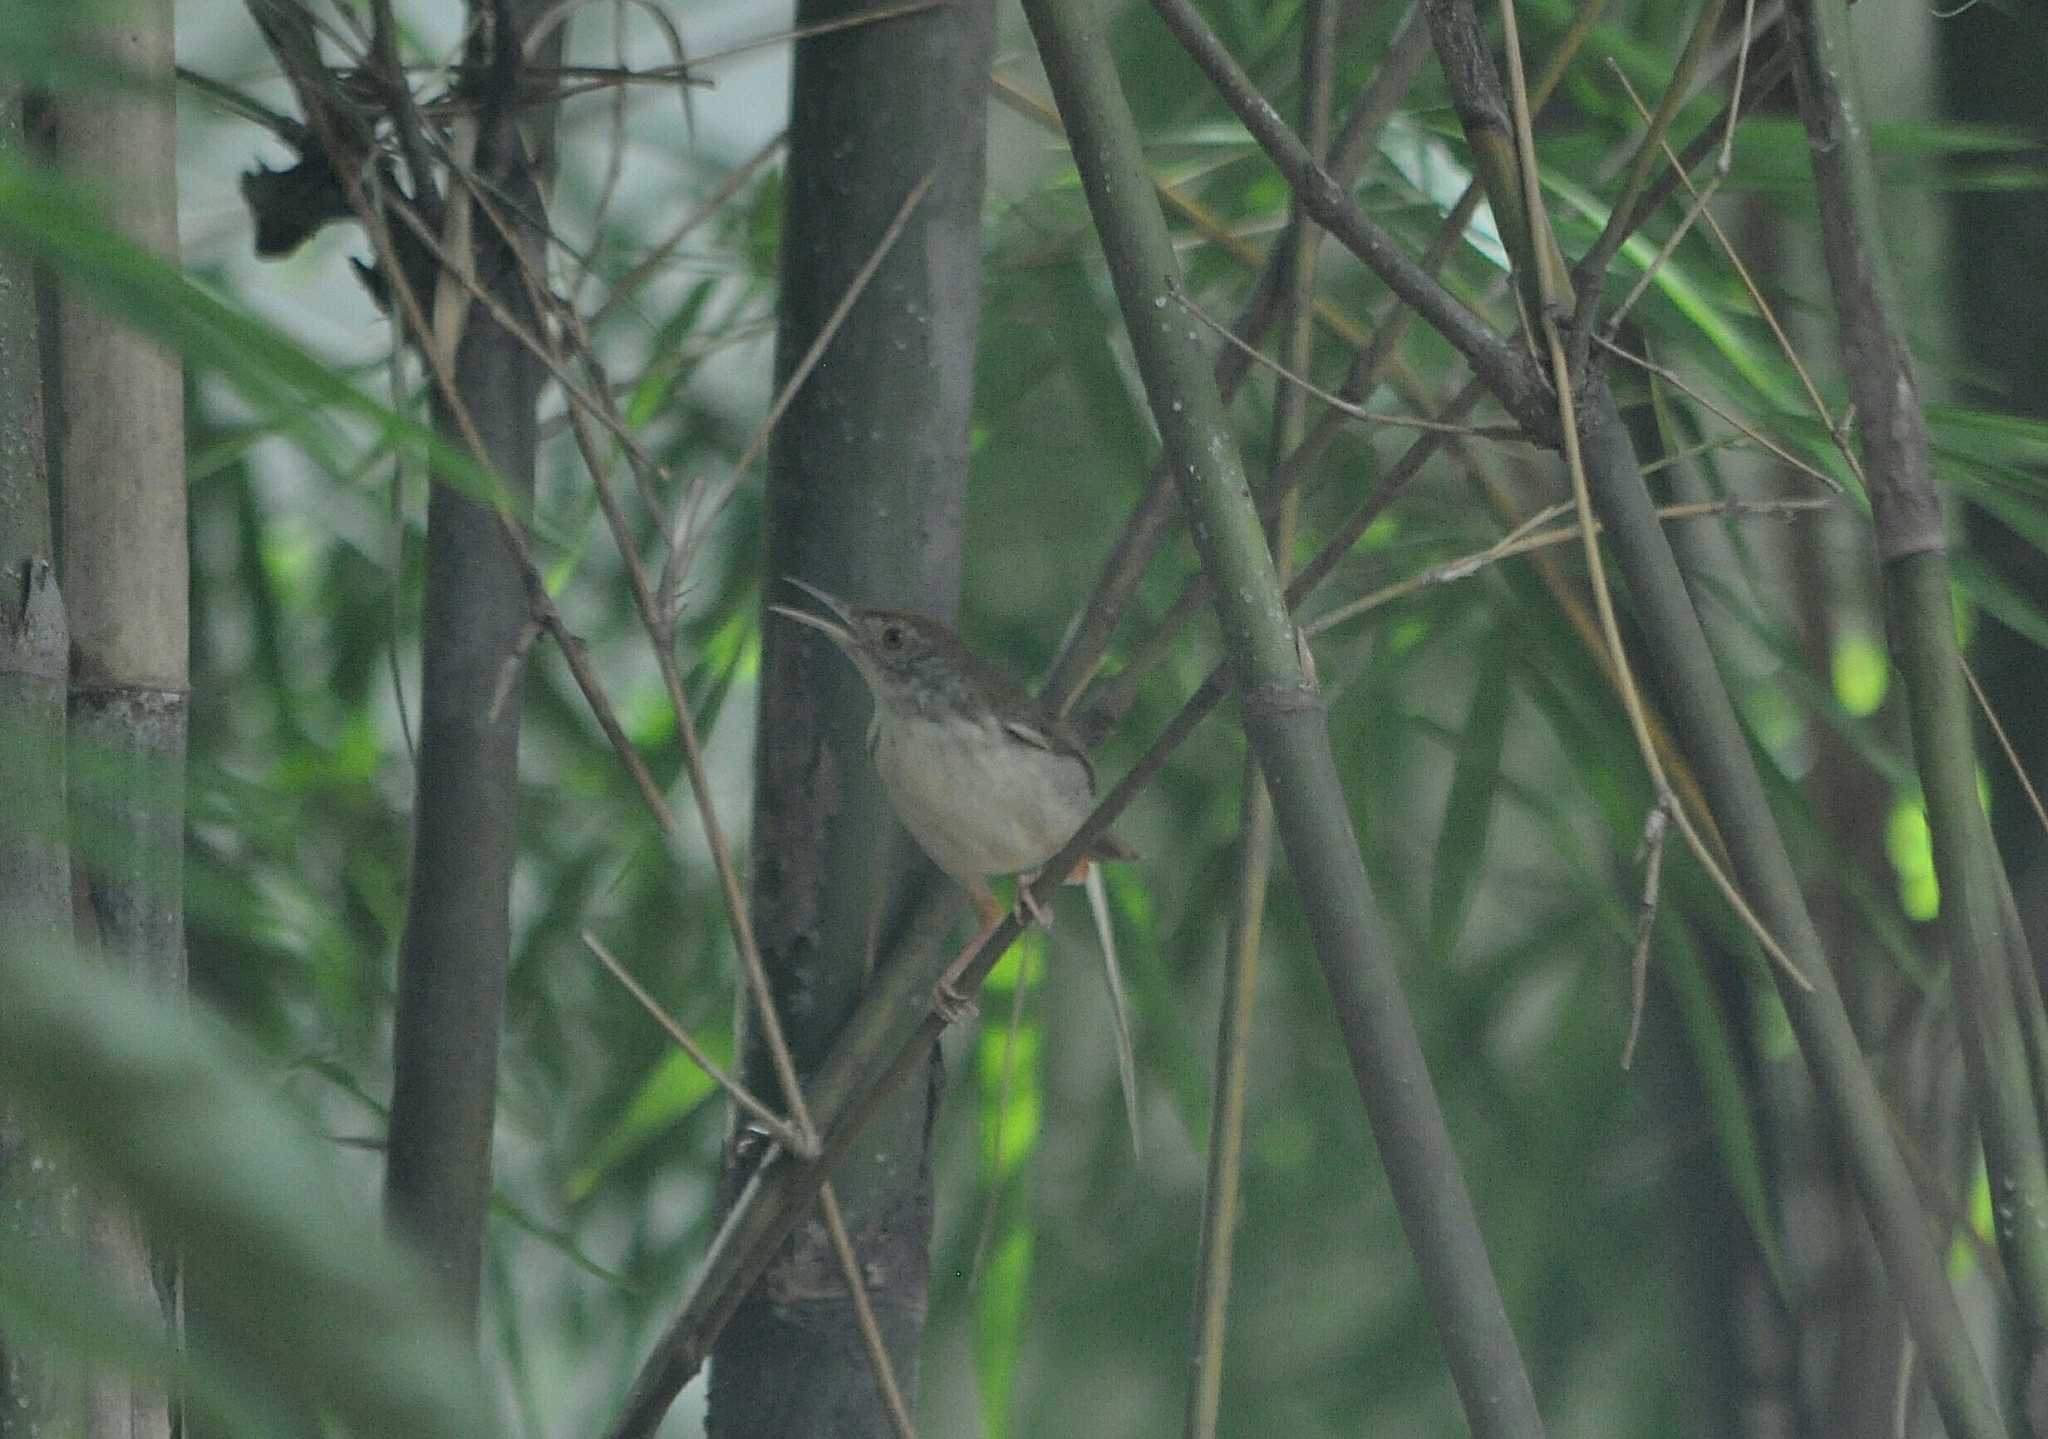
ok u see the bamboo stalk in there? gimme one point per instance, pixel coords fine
(120, 452)
(1283, 709)
(1295, 256)
(1912, 548)
(1984, 946)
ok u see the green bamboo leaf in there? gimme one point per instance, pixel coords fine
(1010, 1123)
(673, 1088)
(50, 1300)
(1992, 434)
(1468, 812)
(1991, 592)
(672, 363)
(1760, 368)
(315, 1309)
(556, 1239)
(1732, 1108)
(1117, 432)
(999, 1320)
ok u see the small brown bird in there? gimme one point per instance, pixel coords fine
(985, 777)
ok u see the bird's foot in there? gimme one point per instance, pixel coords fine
(1028, 910)
(953, 1006)
(952, 1003)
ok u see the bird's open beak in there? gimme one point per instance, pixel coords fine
(840, 632)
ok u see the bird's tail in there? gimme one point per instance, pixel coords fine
(1120, 1009)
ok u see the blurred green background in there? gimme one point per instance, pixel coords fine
(1650, 1228)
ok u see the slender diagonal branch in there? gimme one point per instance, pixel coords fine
(1087, 640)
(1234, 1023)
(1508, 373)
(1282, 708)
(1592, 270)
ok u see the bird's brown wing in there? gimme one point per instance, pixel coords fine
(1053, 736)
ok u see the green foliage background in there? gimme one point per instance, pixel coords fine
(1490, 772)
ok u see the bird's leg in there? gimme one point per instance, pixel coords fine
(947, 998)
(952, 1005)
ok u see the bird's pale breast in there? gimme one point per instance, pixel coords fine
(980, 803)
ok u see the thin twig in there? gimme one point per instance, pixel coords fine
(404, 105)
(1592, 269)
(678, 73)
(1745, 38)
(1701, 198)
(1691, 452)
(1902, 1387)
(1527, 541)
(241, 106)
(2012, 756)
(1755, 435)
(614, 163)
(767, 1118)
(623, 289)
(1650, 855)
(864, 1314)
(702, 506)
(1603, 599)
(1507, 434)
(574, 655)
(399, 393)
(601, 78)
(1837, 432)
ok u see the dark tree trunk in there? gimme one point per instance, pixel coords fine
(866, 496)
(453, 954)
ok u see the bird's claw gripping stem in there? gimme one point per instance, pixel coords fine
(1028, 909)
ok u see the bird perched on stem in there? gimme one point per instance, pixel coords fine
(987, 780)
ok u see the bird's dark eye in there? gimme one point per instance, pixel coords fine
(892, 637)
